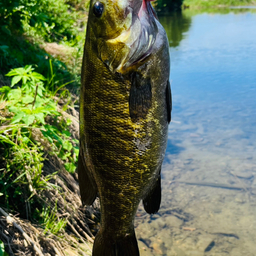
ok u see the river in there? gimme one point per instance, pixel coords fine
(209, 173)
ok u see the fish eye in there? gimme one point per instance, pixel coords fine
(98, 9)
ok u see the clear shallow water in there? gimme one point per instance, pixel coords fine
(212, 140)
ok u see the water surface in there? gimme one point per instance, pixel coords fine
(212, 140)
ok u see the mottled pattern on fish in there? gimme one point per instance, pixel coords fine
(123, 132)
(123, 154)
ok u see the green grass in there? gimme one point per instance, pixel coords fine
(217, 3)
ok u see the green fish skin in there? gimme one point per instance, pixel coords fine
(125, 109)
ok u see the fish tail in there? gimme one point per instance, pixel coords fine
(106, 245)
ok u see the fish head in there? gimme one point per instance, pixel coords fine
(122, 32)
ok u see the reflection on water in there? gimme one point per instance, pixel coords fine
(175, 25)
(212, 140)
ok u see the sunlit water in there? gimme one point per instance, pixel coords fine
(212, 140)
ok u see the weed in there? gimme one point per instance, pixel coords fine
(66, 148)
(51, 222)
(22, 177)
(27, 102)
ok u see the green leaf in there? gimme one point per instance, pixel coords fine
(27, 111)
(70, 167)
(15, 80)
(25, 140)
(15, 72)
(28, 68)
(1, 248)
(67, 145)
(39, 92)
(18, 117)
(6, 140)
(5, 89)
(40, 117)
(27, 99)
(28, 119)
(69, 122)
(38, 76)
(24, 79)
(14, 109)
(66, 133)
(14, 94)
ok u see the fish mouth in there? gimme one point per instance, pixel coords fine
(142, 47)
(139, 39)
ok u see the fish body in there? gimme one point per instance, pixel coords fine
(125, 109)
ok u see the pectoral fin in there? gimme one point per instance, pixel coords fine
(88, 189)
(140, 97)
(169, 101)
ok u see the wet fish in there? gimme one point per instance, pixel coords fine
(125, 109)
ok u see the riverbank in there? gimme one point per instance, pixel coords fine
(201, 4)
(40, 65)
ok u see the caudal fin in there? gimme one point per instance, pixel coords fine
(105, 245)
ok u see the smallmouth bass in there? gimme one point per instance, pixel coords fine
(125, 109)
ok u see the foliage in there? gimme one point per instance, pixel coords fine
(29, 98)
(22, 178)
(216, 3)
(27, 103)
(16, 51)
(65, 148)
(52, 20)
(168, 5)
(25, 26)
(30, 105)
(2, 250)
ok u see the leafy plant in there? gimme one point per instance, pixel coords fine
(27, 102)
(65, 148)
(47, 18)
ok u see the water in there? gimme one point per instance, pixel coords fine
(212, 140)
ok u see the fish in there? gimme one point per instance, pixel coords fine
(125, 110)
